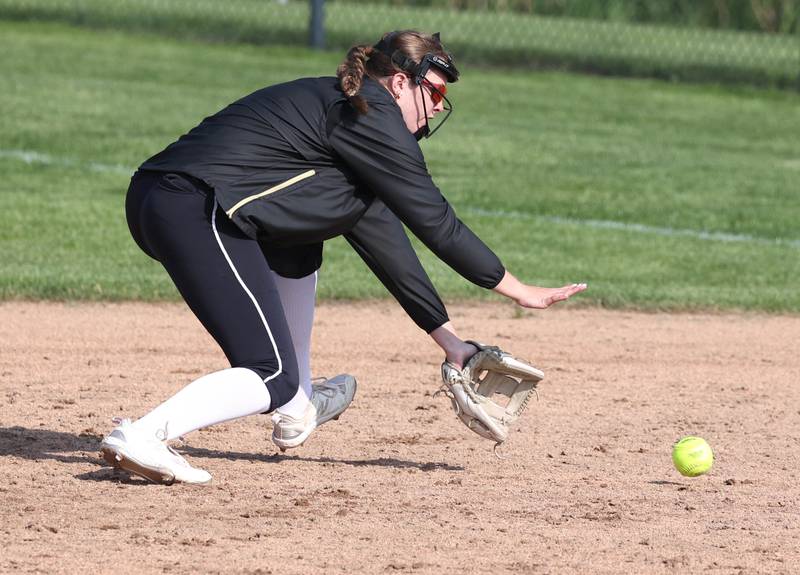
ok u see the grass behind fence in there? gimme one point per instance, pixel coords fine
(569, 178)
(504, 39)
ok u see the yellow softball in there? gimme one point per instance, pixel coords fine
(692, 456)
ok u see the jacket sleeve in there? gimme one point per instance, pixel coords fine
(379, 238)
(384, 156)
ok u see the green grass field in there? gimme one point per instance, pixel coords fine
(660, 196)
(504, 38)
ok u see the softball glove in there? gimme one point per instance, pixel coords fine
(491, 391)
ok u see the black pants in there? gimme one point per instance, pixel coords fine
(221, 273)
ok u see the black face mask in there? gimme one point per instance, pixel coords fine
(426, 131)
(417, 73)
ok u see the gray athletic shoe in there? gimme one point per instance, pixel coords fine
(129, 449)
(328, 400)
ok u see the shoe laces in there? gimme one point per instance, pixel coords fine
(327, 391)
(323, 395)
(163, 434)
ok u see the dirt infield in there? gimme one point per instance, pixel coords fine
(398, 485)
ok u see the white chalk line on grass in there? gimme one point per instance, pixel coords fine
(636, 228)
(31, 157)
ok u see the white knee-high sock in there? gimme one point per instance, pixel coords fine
(298, 298)
(220, 396)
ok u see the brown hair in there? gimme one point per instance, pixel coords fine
(364, 60)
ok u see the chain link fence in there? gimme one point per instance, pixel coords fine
(478, 35)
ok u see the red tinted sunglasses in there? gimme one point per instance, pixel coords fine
(437, 91)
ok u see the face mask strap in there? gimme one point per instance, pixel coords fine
(417, 73)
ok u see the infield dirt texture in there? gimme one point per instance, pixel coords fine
(398, 484)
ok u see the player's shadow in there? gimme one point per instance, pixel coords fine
(39, 444)
(43, 444)
(279, 457)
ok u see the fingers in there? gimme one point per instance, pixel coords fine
(545, 297)
(570, 290)
(574, 288)
(564, 293)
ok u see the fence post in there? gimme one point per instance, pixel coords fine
(317, 24)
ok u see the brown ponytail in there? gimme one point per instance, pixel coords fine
(351, 75)
(366, 60)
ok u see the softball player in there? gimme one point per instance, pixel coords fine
(237, 209)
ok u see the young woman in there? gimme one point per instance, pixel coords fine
(237, 210)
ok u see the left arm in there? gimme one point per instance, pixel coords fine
(379, 238)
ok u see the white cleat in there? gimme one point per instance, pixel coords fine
(148, 457)
(328, 401)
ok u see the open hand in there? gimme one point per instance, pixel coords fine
(541, 298)
(534, 296)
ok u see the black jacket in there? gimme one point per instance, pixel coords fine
(293, 165)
